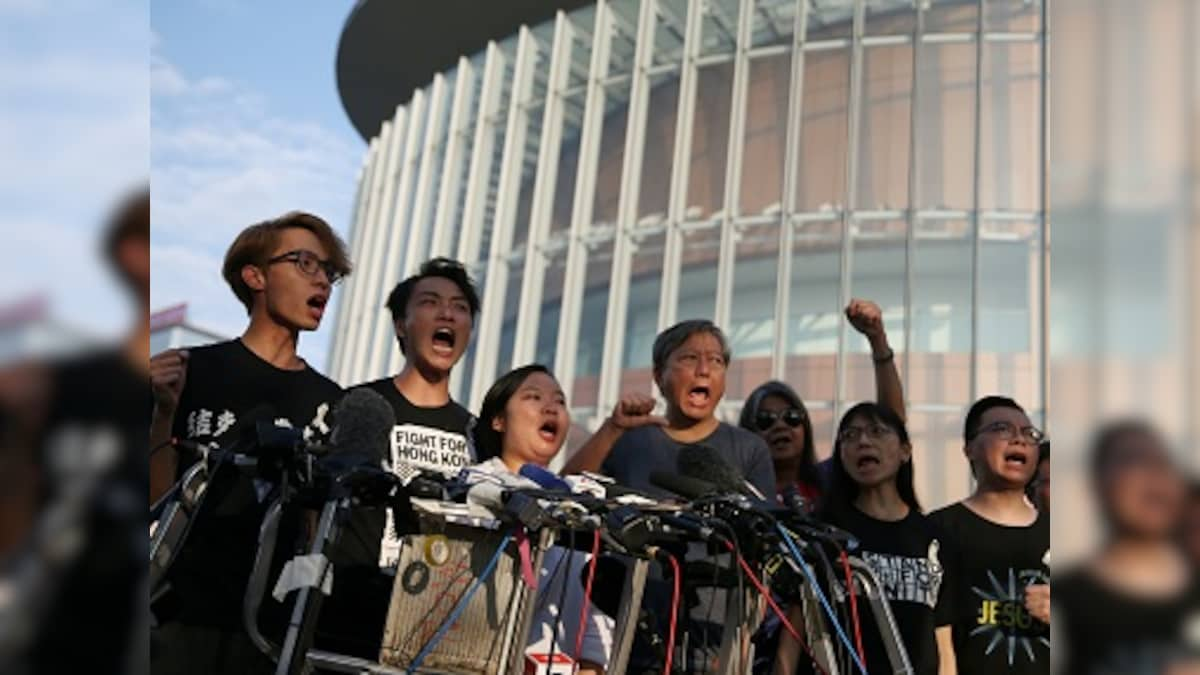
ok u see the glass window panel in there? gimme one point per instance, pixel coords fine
(568, 165)
(830, 20)
(751, 328)
(820, 413)
(946, 126)
(512, 301)
(1011, 124)
(718, 30)
(940, 471)
(529, 165)
(939, 358)
(877, 274)
(821, 179)
(548, 317)
(657, 158)
(774, 21)
(590, 348)
(641, 318)
(952, 16)
(765, 135)
(710, 141)
(884, 125)
(1009, 270)
(890, 17)
(612, 158)
(1012, 16)
(814, 314)
(698, 274)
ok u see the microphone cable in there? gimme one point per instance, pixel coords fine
(587, 595)
(853, 606)
(795, 553)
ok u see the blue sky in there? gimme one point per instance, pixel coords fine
(230, 107)
(246, 124)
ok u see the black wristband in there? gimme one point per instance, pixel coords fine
(891, 354)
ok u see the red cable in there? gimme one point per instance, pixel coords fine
(587, 596)
(854, 608)
(775, 607)
(674, 612)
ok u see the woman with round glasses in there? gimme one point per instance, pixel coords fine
(871, 496)
(775, 412)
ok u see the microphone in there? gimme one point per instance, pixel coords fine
(685, 486)
(354, 465)
(547, 480)
(704, 462)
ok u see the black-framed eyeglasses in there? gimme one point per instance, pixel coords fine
(874, 431)
(1010, 432)
(309, 263)
(765, 419)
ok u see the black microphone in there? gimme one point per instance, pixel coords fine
(685, 486)
(705, 463)
(354, 465)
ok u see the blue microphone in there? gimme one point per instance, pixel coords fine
(547, 480)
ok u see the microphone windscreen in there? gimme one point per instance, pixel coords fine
(705, 463)
(547, 480)
(364, 420)
(684, 486)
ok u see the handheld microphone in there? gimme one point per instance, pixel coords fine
(547, 480)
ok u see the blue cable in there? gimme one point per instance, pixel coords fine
(812, 579)
(461, 606)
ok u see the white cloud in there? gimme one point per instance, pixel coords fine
(222, 159)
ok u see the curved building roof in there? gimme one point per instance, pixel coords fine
(389, 48)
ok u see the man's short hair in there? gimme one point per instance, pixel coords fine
(397, 302)
(670, 339)
(975, 414)
(255, 244)
(130, 220)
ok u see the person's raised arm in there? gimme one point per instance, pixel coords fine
(168, 373)
(633, 410)
(867, 318)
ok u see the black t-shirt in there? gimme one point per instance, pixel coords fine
(988, 567)
(906, 556)
(434, 439)
(431, 439)
(225, 382)
(1108, 631)
(644, 450)
(99, 418)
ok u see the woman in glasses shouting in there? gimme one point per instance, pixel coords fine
(775, 412)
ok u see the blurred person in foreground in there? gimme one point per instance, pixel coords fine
(1039, 487)
(73, 546)
(282, 271)
(1134, 608)
(998, 547)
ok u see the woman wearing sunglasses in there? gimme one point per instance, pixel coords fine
(775, 412)
(871, 496)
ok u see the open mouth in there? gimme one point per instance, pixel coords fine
(549, 430)
(867, 461)
(443, 341)
(780, 440)
(317, 304)
(1015, 459)
(699, 396)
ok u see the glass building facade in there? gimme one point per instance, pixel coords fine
(635, 163)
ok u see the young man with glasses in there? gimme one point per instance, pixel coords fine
(998, 558)
(283, 271)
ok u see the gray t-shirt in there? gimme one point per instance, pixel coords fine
(647, 449)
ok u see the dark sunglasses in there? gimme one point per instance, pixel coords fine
(792, 417)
